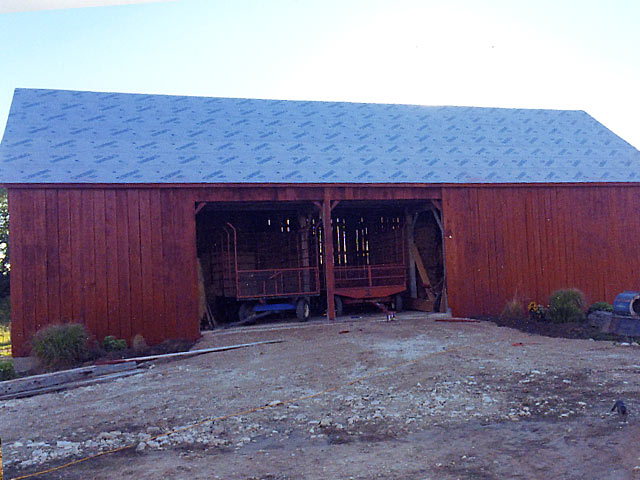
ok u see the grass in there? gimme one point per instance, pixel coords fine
(5, 327)
(567, 305)
(513, 310)
(5, 339)
(61, 346)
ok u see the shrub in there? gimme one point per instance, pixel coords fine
(567, 305)
(112, 344)
(59, 346)
(513, 310)
(138, 344)
(7, 371)
(600, 307)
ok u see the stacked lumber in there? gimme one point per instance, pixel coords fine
(56, 381)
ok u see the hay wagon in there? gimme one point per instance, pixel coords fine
(369, 258)
(262, 264)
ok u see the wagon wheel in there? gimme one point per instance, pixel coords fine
(303, 310)
(245, 311)
(339, 307)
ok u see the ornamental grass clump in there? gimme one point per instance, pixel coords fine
(61, 346)
(513, 310)
(567, 305)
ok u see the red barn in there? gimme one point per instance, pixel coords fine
(109, 195)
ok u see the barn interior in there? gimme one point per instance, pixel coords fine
(263, 258)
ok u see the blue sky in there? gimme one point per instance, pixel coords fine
(560, 54)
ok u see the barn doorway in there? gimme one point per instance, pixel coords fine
(388, 254)
(266, 260)
(256, 261)
(427, 281)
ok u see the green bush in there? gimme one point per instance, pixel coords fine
(513, 310)
(59, 346)
(600, 307)
(6, 370)
(567, 305)
(112, 344)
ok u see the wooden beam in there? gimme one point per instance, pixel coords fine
(45, 380)
(420, 304)
(423, 271)
(328, 256)
(190, 353)
(438, 214)
(200, 206)
(410, 222)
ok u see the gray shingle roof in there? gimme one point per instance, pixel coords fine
(58, 136)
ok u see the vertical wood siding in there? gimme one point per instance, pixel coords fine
(123, 260)
(120, 261)
(527, 242)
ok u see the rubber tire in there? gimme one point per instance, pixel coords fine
(303, 310)
(245, 311)
(397, 303)
(338, 305)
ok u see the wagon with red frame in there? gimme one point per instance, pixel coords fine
(369, 258)
(260, 263)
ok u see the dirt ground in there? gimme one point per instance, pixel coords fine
(411, 399)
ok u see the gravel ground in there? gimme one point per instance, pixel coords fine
(414, 398)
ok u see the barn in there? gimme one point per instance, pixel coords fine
(123, 205)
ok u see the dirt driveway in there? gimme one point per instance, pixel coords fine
(411, 399)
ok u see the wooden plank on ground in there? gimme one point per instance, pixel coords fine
(70, 385)
(190, 353)
(57, 378)
(420, 304)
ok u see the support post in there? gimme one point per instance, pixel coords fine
(328, 256)
(304, 253)
(410, 222)
(439, 216)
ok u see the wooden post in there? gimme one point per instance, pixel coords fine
(304, 251)
(410, 222)
(328, 256)
(439, 216)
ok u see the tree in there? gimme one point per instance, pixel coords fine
(5, 266)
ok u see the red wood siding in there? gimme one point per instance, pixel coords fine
(123, 262)
(527, 242)
(122, 259)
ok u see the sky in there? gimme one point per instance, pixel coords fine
(559, 54)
